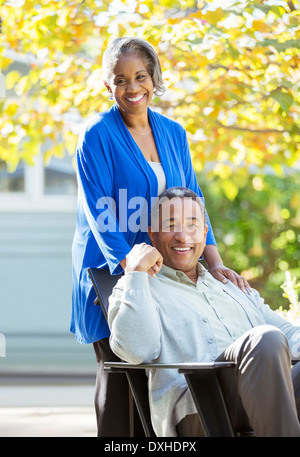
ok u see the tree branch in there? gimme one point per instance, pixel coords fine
(291, 5)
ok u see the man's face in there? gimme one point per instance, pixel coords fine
(181, 235)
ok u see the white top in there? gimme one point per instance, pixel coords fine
(161, 177)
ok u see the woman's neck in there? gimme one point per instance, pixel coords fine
(138, 122)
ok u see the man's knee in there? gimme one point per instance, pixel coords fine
(267, 341)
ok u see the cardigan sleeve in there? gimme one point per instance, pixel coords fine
(191, 182)
(95, 190)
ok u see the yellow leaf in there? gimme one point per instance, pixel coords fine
(230, 189)
(11, 78)
(12, 109)
(213, 17)
(259, 26)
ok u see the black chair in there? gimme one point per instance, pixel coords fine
(202, 378)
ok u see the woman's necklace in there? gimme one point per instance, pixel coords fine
(139, 133)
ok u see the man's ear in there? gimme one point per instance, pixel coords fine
(151, 236)
(205, 232)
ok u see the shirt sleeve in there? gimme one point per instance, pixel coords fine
(191, 183)
(292, 332)
(94, 170)
(133, 320)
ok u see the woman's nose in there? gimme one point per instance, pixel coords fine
(132, 86)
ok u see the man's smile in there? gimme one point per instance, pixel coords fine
(182, 249)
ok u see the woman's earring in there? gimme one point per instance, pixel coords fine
(111, 97)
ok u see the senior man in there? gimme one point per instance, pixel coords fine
(167, 308)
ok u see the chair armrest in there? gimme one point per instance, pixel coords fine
(110, 366)
(202, 381)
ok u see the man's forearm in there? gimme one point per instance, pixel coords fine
(133, 320)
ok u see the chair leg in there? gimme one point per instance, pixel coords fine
(207, 395)
(140, 399)
(131, 414)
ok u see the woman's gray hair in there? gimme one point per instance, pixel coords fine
(126, 45)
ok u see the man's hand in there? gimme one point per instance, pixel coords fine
(223, 273)
(144, 257)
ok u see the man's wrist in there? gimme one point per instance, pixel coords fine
(129, 269)
(136, 280)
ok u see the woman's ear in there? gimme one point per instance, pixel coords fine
(109, 89)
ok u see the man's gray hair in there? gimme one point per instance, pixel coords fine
(169, 194)
(127, 45)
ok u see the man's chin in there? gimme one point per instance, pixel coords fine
(180, 265)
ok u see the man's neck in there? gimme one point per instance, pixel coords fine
(192, 275)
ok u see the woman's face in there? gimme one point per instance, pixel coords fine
(131, 85)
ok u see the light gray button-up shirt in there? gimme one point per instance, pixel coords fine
(170, 319)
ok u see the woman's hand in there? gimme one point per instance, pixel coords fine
(222, 273)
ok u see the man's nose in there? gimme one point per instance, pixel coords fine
(181, 235)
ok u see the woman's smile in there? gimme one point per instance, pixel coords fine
(131, 85)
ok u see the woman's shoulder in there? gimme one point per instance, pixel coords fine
(99, 121)
(166, 120)
(97, 129)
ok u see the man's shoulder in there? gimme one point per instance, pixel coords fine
(234, 290)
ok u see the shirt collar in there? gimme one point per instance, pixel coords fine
(177, 275)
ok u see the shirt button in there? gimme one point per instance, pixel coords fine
(205, 319)
(210, 340)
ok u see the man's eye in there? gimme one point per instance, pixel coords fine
(168, 227)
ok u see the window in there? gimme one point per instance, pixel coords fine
(39, 187)
(12, 182)
(59, 177)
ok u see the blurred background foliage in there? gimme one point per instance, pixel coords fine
(233, 78)
(258, 231)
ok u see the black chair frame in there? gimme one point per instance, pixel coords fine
(202, 378)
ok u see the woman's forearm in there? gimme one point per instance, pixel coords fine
(212, 256)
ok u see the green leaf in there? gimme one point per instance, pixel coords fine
(285, 100)
(281, 47)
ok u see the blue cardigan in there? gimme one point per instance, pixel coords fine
(111, 173)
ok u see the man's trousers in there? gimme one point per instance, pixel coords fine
(263, 391)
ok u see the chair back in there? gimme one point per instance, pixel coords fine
(103, 283)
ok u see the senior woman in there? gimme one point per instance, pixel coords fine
(125, 157)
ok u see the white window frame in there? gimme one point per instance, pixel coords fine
(33, 199)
